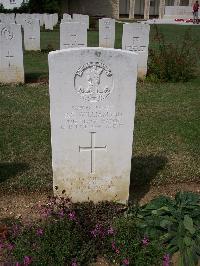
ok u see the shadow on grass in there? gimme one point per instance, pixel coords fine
(9, 170)
(143, 170)
(35, 77)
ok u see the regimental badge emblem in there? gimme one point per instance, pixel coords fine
(94, 82)
(7, 34)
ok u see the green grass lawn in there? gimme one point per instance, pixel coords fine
(166, 137)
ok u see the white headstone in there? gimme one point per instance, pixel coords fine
(48, 21)
(7, 18)
(18, 18)
(73, 34)
(107, 32)
(92, 102)
(38, 16)
(31, 34)
(55, 19)
(11, 54)
(66, 18)
(136, 38)
(82, 19)
(41, 20)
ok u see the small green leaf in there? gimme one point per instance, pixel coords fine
(187, 241)
(188, 224)
(165, 223)
(164, 208)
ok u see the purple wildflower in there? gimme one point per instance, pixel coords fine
(166, 260)
(17, 264)
(10, 246)
(110, 231)
(15, 230)
(74, 262)
(39, 232)
(61, 214)
(72, 216)
(125, 262)
(1, 246)
(145, 241)
(117, 251)
(94, 233)
(27, 260)
(45, 213)
(99, 231)
(113, 246)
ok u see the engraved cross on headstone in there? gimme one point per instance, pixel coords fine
(9, 57)
(92, 149)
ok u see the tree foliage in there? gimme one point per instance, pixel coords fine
(45, 6)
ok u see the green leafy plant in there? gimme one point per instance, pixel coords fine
(172, 62)
(177, 224)
(129, 246)
(76, 234)
(55, 242)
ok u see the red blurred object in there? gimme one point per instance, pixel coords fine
(179, 19)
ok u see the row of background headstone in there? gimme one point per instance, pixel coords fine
(72, 34)
(49, 20)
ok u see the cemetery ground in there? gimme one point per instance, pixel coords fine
(166, 154)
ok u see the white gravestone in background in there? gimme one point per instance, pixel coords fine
(82, 19)
(8, 18)
(66, 18)
(48, 21)
(11, 54)
(107, 33)
(73, 34)
(31, 34)
(55, 19)
(136, 38)
(92, 106)
(41, 16)
(19, 18)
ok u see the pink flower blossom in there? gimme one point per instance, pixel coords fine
(125, 262)
(17, 264)
(74, 262)
(110, 231)
(15, 230)
(98, 231)
(39, 232)
(1, 246)
(166, 260)
(117, 251)
(45, 213)
(145, 241)
(61, 214)
(72, 216)
(10, 246)
(27, 260)
(113, 246)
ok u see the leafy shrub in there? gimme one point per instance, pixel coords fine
(93, 23)
(130, 247)
(172, 62)
(176, 222)
(55, 242)
(75, 234)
